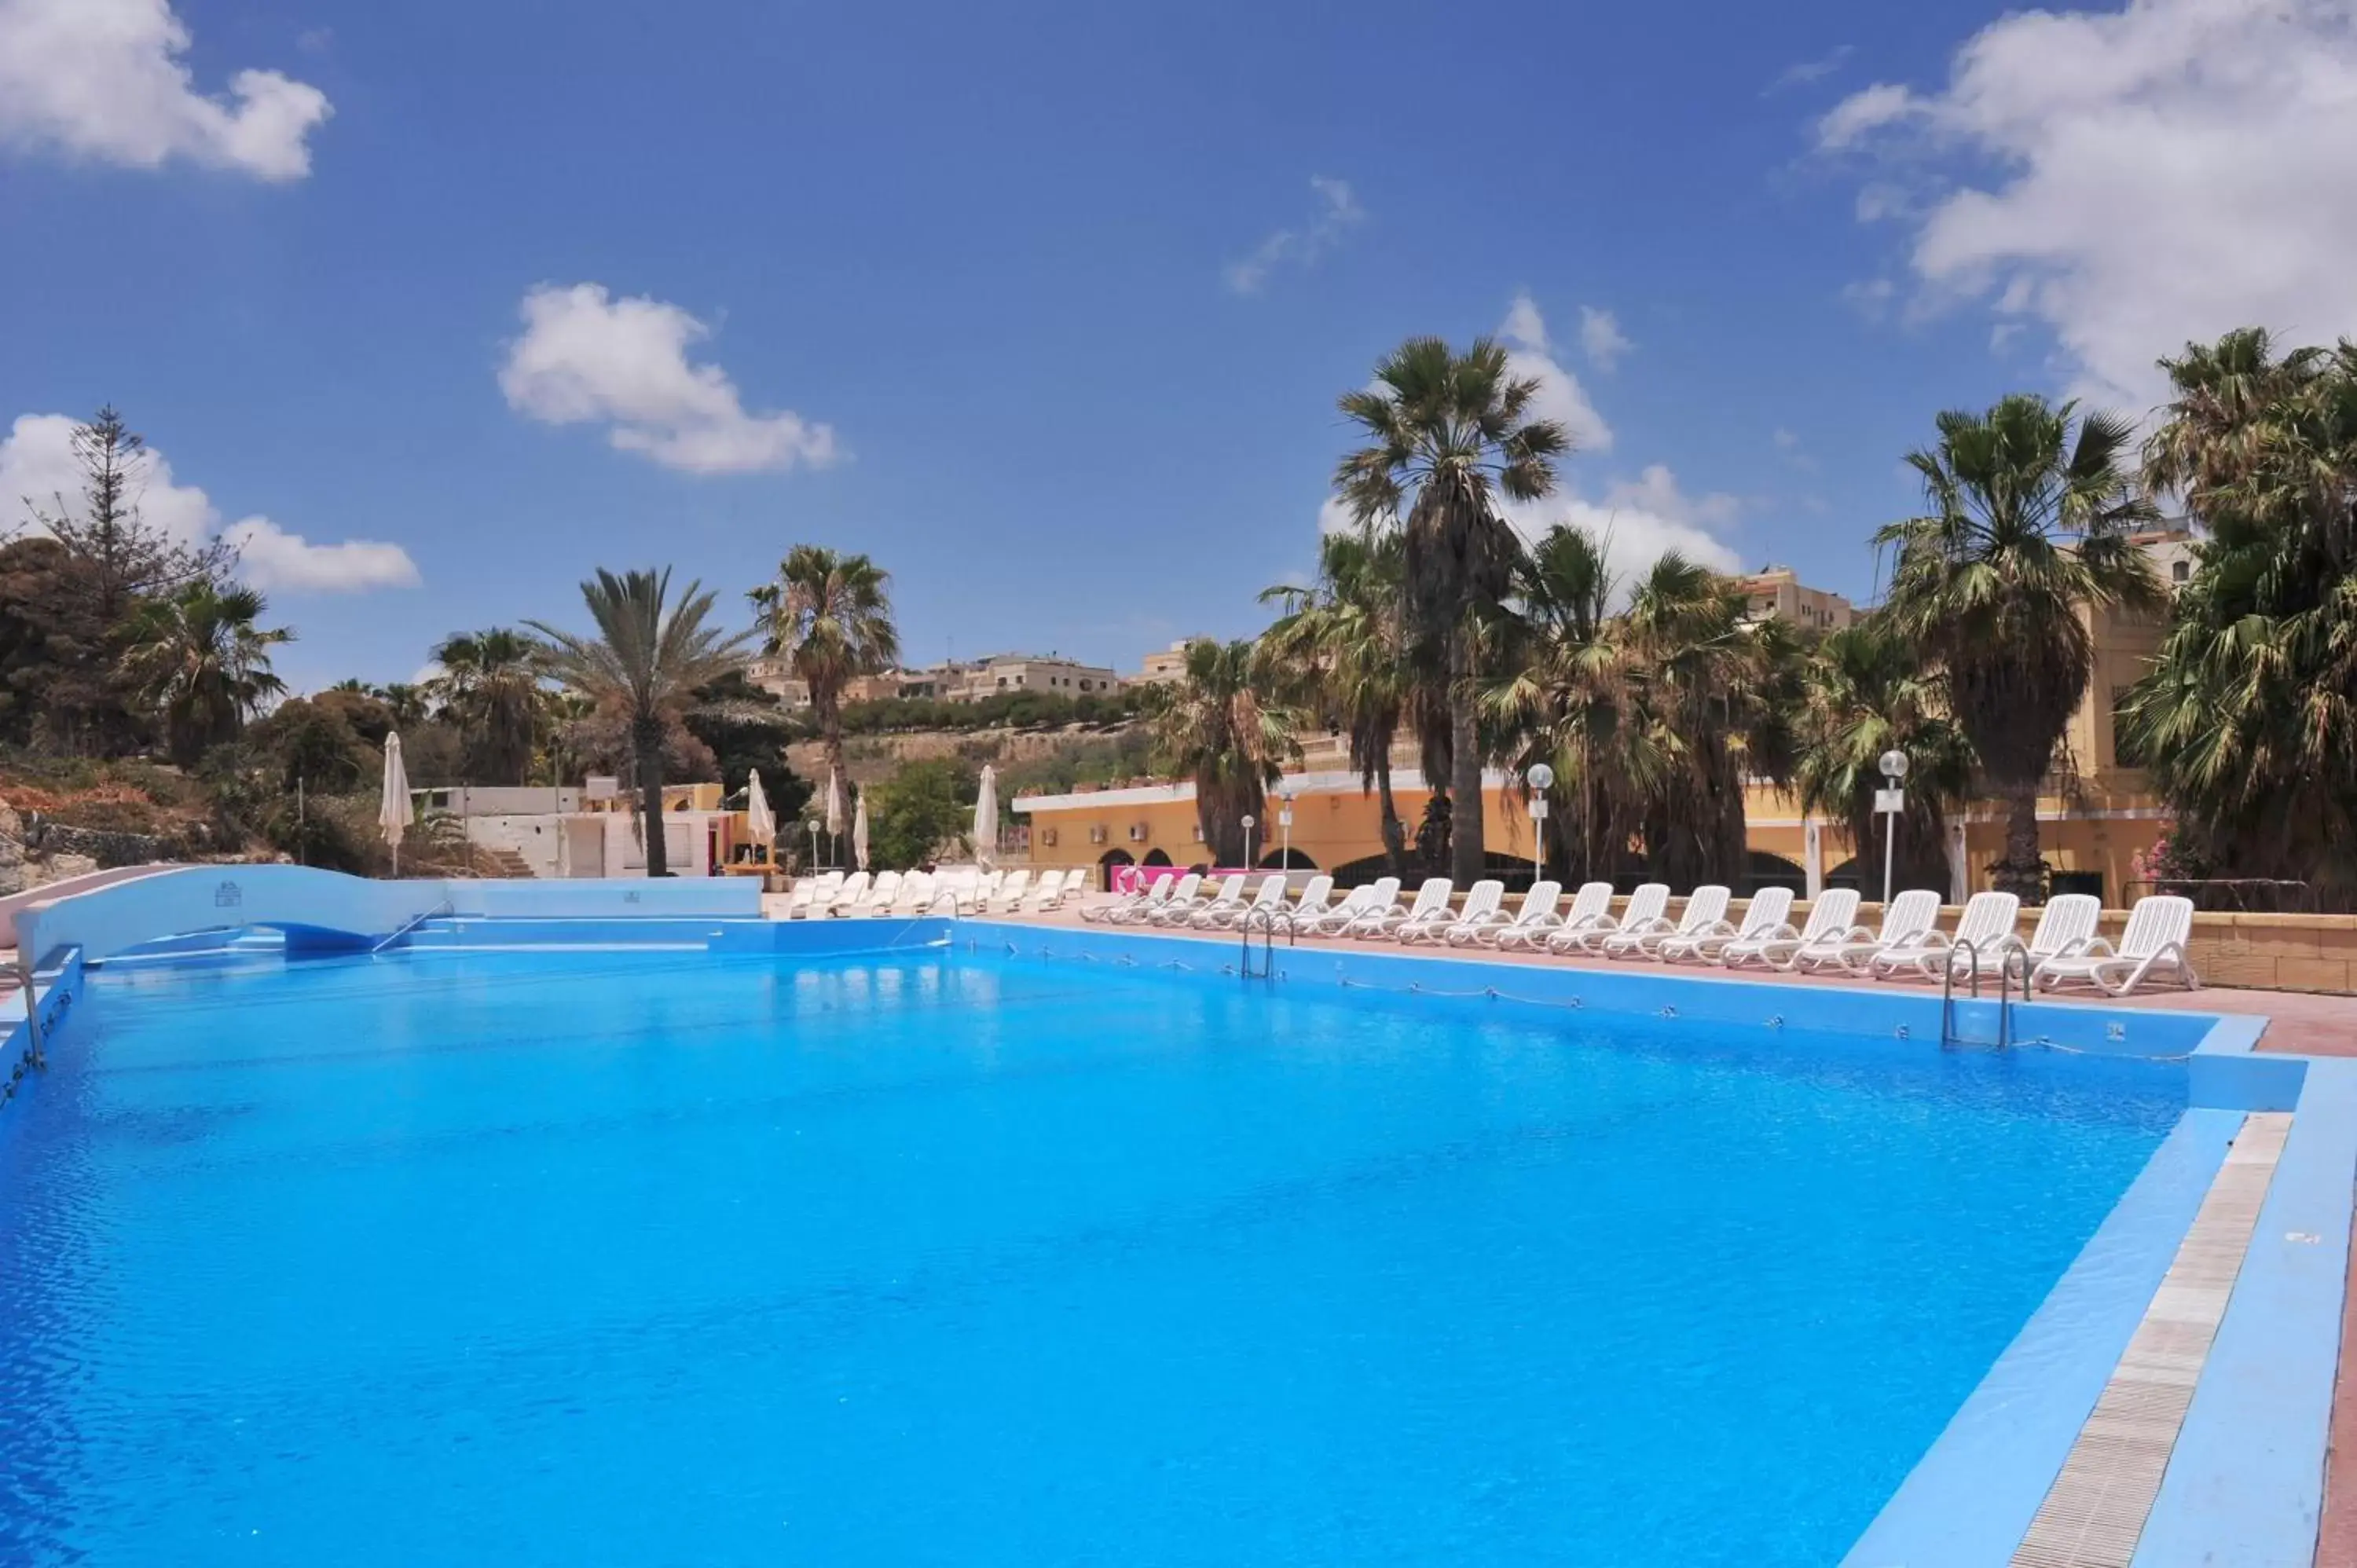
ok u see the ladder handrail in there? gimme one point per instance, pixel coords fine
(1266, 921)
(1948, 983)
(444, 907)
(2007, 951)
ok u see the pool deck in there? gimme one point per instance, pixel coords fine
(2299, 1024)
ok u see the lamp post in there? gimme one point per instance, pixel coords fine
(1542, 779)
(813, 859)
(1248, 828)
(1890, 802)
(1285, 819)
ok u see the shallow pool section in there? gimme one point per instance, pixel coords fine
(942, 1258)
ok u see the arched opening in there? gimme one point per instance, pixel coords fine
(1274, 860)
(1358, 872)
(1105, 864)
(1767, 870)
(1153, 857)
(1846, 875)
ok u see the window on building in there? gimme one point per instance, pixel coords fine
(2179, 571)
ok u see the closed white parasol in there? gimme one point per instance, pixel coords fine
(394, 812)
(859, 831)
(985, 817)
(760, 822)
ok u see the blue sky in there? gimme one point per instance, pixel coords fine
(1047, 308)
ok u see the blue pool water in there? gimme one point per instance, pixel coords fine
(671, 1259)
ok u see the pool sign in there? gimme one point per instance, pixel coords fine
(1890, 802)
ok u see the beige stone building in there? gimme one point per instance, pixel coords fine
(1778, 591)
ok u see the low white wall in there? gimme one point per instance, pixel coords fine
(109, 920)
(535, 837)
(216, 897)
(51, 892)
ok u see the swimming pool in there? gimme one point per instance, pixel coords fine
(965, 1256)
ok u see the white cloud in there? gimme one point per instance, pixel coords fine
(1600, 337)
(270, 557)
(1803, 74)
(1638, 520)
(1864, 112)
(1531, 353)
(1335, 212)
(104, 80)
(2134, 179)
(588, 359)
(1870, 298)
(1790, 447)
(38, 472)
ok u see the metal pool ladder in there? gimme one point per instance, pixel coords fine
(2005, 955)
(1266, 922)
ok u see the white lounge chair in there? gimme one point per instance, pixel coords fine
(1481, 901)
(1011, 888)
(847, 895)
(1317, 899)
(1770, 910)
(1227, 898)
(1194, 891)
(1053, 887)
(1142, 909)
(1268, 900)
(1832, 919)
(1384, 922)
(2153, 946)
(1986, 923)
(1645, 907)
(1103, 912)
(1911, 915)
(880, 895)
(915, 896)
(1374, 895)
(1706, 910)
(1592, 902)
(1536, 912)
(2065, 925)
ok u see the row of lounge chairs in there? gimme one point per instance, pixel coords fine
(968, 890)
(2062, 951)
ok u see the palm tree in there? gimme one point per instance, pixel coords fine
(831, 615)
(646, 661)
(2027, 533)
(199, 661)
(1341, 648)
(1565, 696)
(490, 688)
(1869, 693)
(1218, 726)
(1448, 435)
(408, 704)
(2248, 718)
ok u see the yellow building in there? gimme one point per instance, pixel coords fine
(2095, 833)
(1778, 591)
